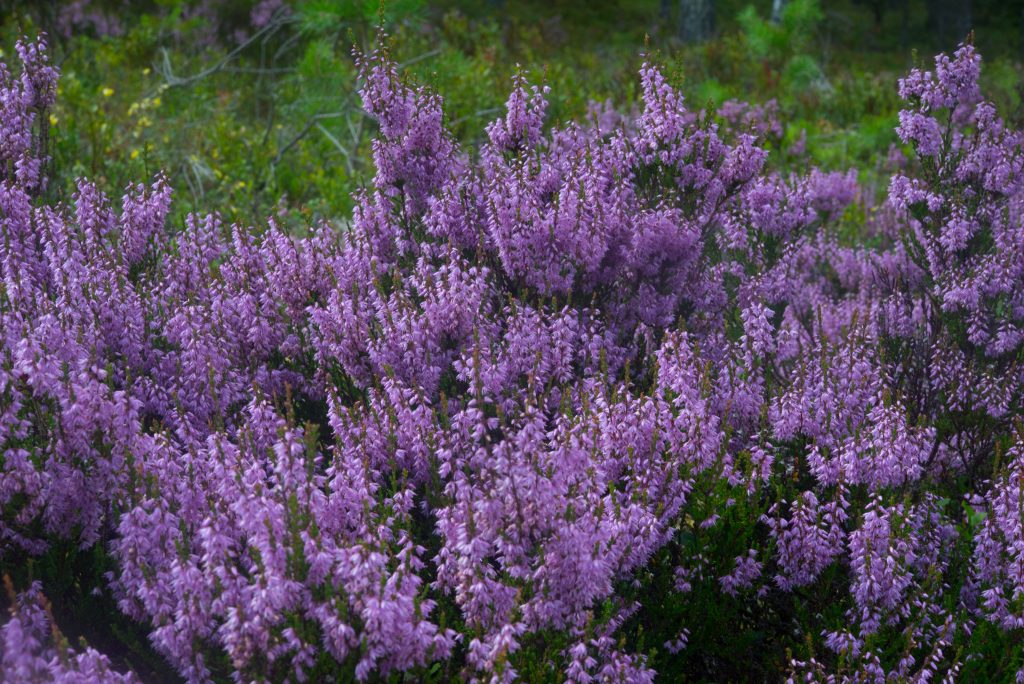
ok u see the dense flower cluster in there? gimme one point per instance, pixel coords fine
(524, 383)
(33, 650)
(24, 100)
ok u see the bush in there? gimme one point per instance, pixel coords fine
(601, 401)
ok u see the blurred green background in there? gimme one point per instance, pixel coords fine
(250, 107)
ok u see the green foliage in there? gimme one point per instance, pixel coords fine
(792, 35)
(276, 122)
(324, 16)
(802, 73)
(785, 47)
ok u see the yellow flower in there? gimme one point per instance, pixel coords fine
(53, 120)
(135, 154)
(145, 72)
(107, 91)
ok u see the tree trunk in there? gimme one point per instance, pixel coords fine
(696, 20)
(777, 7)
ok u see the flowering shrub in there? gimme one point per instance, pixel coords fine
(540, 409)
(32, 649)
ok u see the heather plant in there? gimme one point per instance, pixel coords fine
(32, 649)
(27, 97)
(569, 404)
